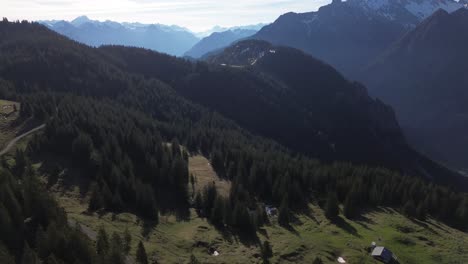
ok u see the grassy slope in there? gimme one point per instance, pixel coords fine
(204, 174)
(310, 236)
(7, 118)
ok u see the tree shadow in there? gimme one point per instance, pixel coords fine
(341, 223)
(425, 225)
(61, 170)
(148, 226)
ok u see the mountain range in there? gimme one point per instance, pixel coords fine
(349, 34)
(172, 40)
(121, 128)
(218, 40)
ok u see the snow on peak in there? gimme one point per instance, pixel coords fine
(419, 8)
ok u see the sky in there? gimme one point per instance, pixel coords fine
(197, 15)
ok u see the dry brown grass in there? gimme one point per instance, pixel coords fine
(204, 174)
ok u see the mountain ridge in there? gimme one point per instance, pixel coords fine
(427, 64)
(173, 40)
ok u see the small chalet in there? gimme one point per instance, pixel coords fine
(384, 255)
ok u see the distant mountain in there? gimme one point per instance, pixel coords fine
(423, 76)
(173, 40)
(349, 34)
(218, 29)
(217, 41)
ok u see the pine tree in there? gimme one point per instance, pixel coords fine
(96, 202)
(317, 260)
(5, 257)
(29, 256)
(349, 207)
(127, 241)
(283, 217)
(102, 242)
(267, 251)
(141, 256)
(421, 211)
(331, 206)
(409, 209)
(193, 260)
(217, 214)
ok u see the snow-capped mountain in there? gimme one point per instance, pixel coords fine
(398, 9)
(349, 34)
(173, 39)
(218, 29)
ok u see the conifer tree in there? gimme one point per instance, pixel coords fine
(217, 213)
(267, 251)
(283, 217)
(317, 260)
(102, 242)
(29, 256)
(350, 208)
(331, 206)
(193, 260)
(409, 208)
(141, 256)
(127, 241)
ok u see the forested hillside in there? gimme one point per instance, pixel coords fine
(306, 106)
(130, 133)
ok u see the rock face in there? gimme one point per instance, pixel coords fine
(423, 77)
(349, 34)
(172, 40)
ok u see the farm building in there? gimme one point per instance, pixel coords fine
(384, 255)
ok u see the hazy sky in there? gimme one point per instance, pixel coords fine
(196, 15)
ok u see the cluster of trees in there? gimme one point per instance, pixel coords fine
(121, 151)
(238, 211)
(116, 248)
(259, 169)
(33, 229)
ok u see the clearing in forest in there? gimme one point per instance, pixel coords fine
(204, 174)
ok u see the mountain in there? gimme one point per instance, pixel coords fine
(217, 29)
(121, 130)
(217, 41)
(349, 34)
(173, 40)
(422, 76)
(286, 95)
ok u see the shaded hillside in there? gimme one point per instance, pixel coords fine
(422, 76)
(348, 34)
(342, 34)
(168, 39)
(217, 41)
(306, 105)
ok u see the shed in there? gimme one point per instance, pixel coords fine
(384, 255)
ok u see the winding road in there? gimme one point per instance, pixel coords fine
(16, 139)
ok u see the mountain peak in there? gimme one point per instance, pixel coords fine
(80, 20)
